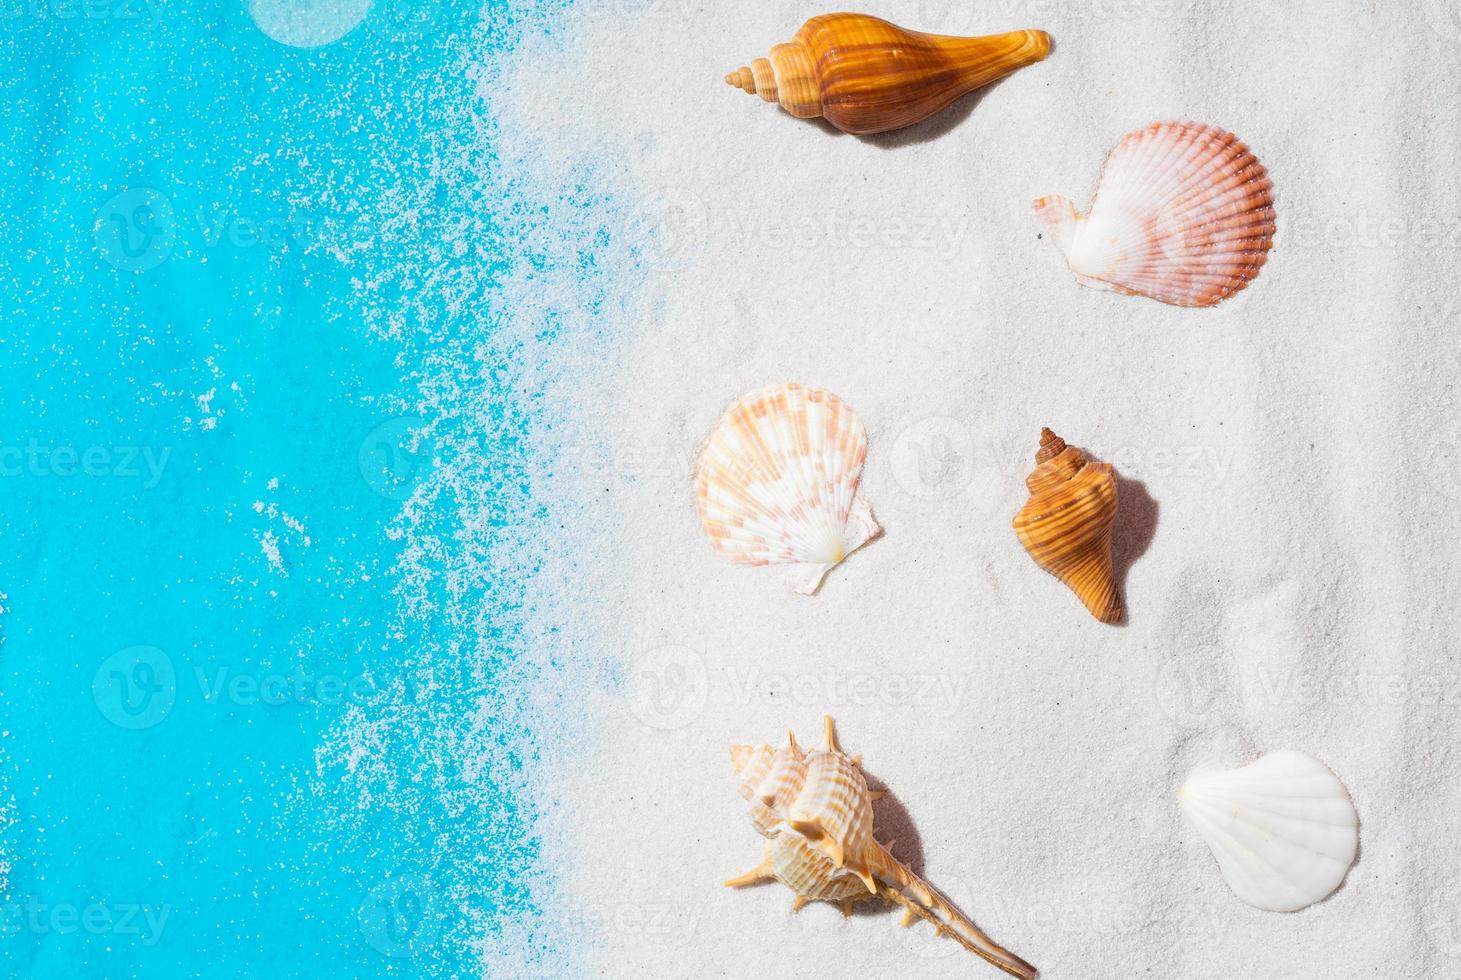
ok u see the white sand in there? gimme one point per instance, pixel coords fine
(1292, 485)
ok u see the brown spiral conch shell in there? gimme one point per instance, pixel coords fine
(816, 812)
(1066, 523)
(865, 75)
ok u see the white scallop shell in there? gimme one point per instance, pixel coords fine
(1183, 214)
(1283, 829)
(778, 483)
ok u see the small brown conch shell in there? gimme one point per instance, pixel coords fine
(865, 75)
(816, 812)
(1066, 523)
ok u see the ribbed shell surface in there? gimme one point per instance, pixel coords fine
(778, 482)
(1283, 829)
(834, 809)
(873, 76)
(1183, 214)
(771, 779)
(808, 872)
(822, 843)
(1066, 524)
(865, 75)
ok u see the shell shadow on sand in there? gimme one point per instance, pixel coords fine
(1135, 527)
(895, 825)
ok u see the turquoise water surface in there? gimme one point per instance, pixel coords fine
(237, 700)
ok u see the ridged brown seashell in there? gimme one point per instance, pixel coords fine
(1066, 523)
(865, 75)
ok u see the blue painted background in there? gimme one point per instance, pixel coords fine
(173, 183)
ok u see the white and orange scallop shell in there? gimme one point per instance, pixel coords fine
(1183, 214)
(777, 483)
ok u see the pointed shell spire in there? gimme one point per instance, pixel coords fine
(1066, 523)
(865, 75)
